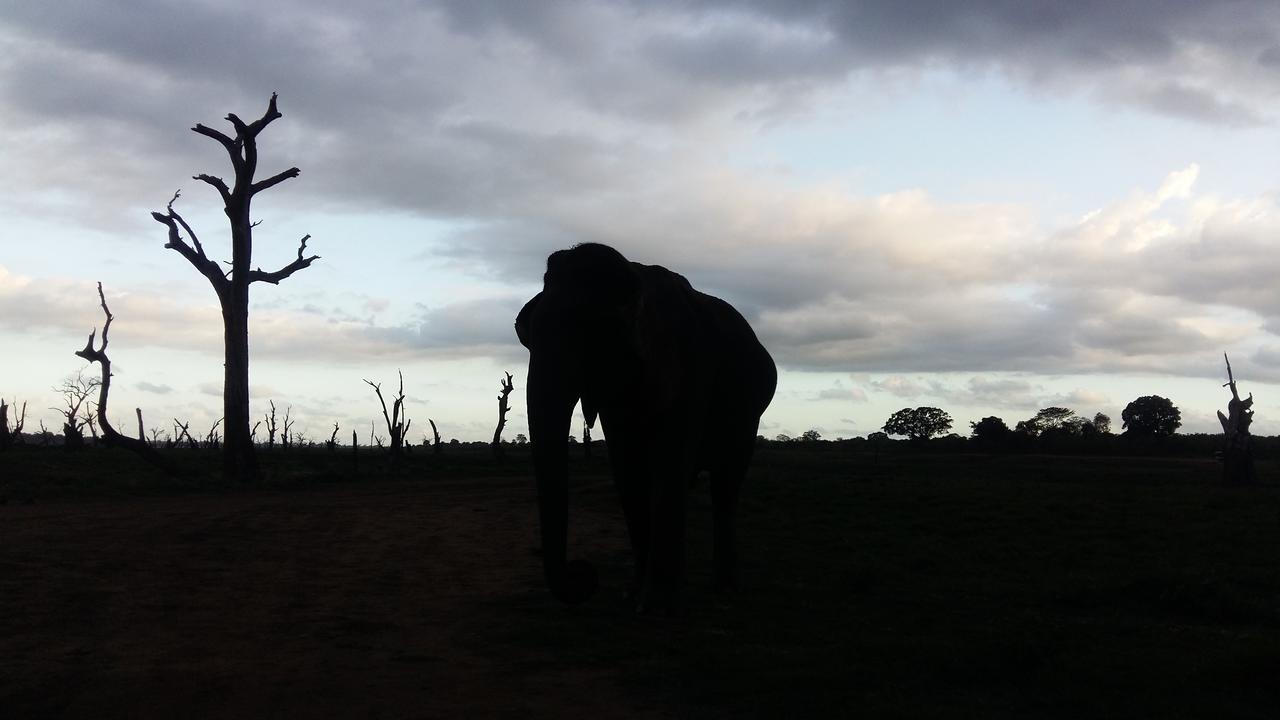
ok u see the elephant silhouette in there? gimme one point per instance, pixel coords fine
(679, 382)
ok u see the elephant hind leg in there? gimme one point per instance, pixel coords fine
(726, 484)
(663, 576)
(724, 501)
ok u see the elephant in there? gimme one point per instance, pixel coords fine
(678, 381)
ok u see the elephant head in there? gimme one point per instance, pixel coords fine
(581, 322)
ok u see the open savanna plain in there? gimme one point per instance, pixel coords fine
(889, 584)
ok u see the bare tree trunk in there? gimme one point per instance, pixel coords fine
(435, 446)
(5, 439)
(507, 387)
(238, 457)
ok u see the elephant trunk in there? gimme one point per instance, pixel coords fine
(550, 401)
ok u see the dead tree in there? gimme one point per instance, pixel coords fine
(507, 387)
(183, 430)
(286, 431)
(110, 436)
(271, 424)
(397, 422)
(332, 442)
(11, 436)
(435, 445)
(232, 287)
(211, 439)
(75, 392)
(1237, 450)
(586, 440)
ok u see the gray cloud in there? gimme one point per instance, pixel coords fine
(550, 100)
(839, 392)
(465, 329)
(158, 389)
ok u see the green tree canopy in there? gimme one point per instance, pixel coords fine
(1151, 415)
(919, 423)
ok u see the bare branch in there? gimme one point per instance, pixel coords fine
(218, 183)
(181, 430)
(377, 388)
(241, 129)
(232, 146)
(260, 275)
(271, 114)
(182, 221)
(195, 256)
(276, 179)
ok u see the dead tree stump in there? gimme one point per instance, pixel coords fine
(507, 387)
(1237, 450)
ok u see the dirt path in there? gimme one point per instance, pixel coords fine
(382, 600)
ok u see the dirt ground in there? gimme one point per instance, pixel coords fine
(380, 600)
(911, 585)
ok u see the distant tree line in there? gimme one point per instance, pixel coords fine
(1147, 424)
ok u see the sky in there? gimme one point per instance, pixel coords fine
(987, 207)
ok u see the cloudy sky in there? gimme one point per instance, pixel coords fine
(990, 207)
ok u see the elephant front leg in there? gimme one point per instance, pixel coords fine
(635, 506)
(631, 480)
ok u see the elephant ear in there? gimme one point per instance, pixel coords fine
(522, 320)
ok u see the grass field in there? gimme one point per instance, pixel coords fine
(903, 585)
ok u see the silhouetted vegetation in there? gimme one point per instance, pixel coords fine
(76, 411)
(1151, 416)
(990, 433)
(9, 434)
(919, 423)
(397, 422)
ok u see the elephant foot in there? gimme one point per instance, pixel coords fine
(725, 583)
